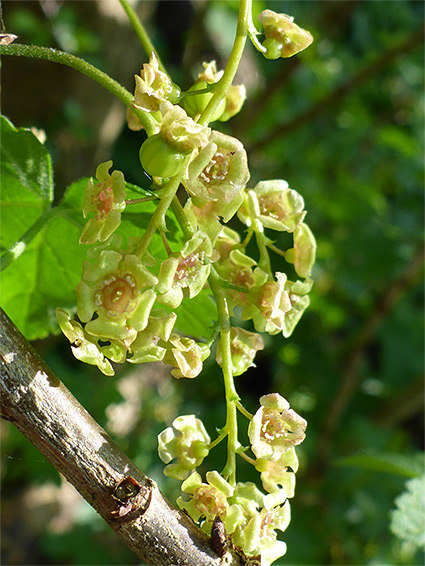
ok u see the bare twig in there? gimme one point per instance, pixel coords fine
(43, 409)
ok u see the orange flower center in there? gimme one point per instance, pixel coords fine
(117, 294)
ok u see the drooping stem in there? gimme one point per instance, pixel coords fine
(141, 32)
(232, 397)
(226, 80)
(85, 68)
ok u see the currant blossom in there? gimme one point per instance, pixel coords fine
(275, 428)
(279, 475)
(303, 254)
(207, 499)
(267, 305)
(274, 205)
(106, 198)
(235, 97)
(283, 37)
(187, 441)
(244, 345)
(299, 300)
(218, 172)
(84, 347)
(179, 131)
(188, 269)
(153, 87)
(260, 536)
(237, 268)
(148, 345)
(195, 104)
(118, 288)
(254, 526)
(185, 355)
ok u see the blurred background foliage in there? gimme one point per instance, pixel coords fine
(343, 124)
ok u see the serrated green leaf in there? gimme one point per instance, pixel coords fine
(404, 465)
(196, 317)
(408, 519)
(26, 181)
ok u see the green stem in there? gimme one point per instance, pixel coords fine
(264, 261)
(85, 68)
(141, 32)
(181, 217)
(252, 32)
(232, 397)
(139, 200)
(247, 458)
(20, 246)
(219, 438)
(242, 409)
(157, 221)
(226, 80)
(276, 250)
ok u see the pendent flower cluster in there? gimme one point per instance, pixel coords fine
(128, 302)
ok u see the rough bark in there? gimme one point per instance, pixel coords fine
(44, 410)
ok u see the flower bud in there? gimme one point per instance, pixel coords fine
(159, 159)
(283, 37)
(196, 104)
(235, 97)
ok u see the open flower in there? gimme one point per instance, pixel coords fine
(104, 196)
(244, 346)
(283, 37)
(303, 254)
(149, 343)
(118, 289)
(268, 304)
(274, 204)
(187, 441)
(280, 474)
(299, 300)
(219, 171)
(188, 269)
(185, 355)
(255, 523)
(179, 131)
(275, 428)
(84, 347)
(207, 500)
(259, 537)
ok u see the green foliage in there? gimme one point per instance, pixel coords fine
(410, 466)
(358, 162)
(45, 275)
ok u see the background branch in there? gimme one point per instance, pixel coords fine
(351, 378)
(44, 410)
(329, 101)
